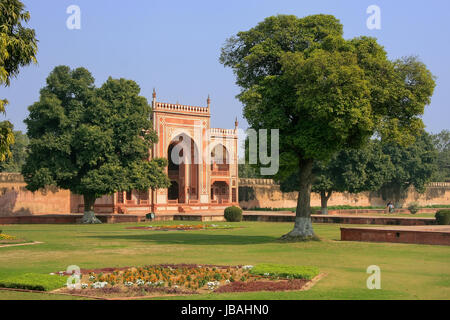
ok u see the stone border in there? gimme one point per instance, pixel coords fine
(425, 235)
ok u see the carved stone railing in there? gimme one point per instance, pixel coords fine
(180, 108)
(222, 132)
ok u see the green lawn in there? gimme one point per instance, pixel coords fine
(407, 271)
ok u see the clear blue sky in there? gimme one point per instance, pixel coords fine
(174, 46)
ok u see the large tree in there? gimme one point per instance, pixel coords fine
(324, 93)
(91, 141)
(18, 48)
(414, 165)
(350, 170)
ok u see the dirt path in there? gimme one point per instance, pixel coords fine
(20, 244)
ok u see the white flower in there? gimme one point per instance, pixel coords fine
(52, 274)
(140, 282)
(267, 274)
(148, 284)
(129, 284)
(213, 285)
(92, 278)
(227, 281)
(84, 286)
(99, 285)
(247, 267)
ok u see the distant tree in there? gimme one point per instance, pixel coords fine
(414, 165)
(91, 141)
(18, 153)
(352, 170)
(248, 171)
(18, 48)
(323, 93)
(442, 144)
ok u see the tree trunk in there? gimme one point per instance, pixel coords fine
(89, 215)
(324, 197)
(303, 229)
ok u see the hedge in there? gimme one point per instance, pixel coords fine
(284, 271)
(443, 217)
(34, 281)
(233, 214)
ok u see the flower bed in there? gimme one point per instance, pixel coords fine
(8, 239)
(184, 279)
(182, 227)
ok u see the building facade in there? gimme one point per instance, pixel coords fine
(203, 165)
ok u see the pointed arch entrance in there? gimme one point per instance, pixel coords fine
(183, 170)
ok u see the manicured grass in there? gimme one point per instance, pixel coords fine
(407, 271)
(33, 281)
(283, 271)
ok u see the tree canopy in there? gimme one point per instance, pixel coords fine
(324, 93)
(18, 48)
(414, 165)
(92, 141)
(441, 142)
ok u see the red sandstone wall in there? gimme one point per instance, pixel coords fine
(16, 200)
(264, 193)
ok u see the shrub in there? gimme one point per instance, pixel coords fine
(443, 217)
(283, 271)
(33, 281)
(233, 214)
(413, 207)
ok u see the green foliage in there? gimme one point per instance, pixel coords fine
(283, 271)
(414, 165)
(34, 281)
(437, 206)
(233, 214)
(92, 141)
(18, 153)
(18, 44)
(413, 207)
(6, 141)
(324, 93)
(18, 48)
(248, 171)
(442, 143)
(443, 217)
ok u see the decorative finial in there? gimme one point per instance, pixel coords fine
(208, 101)
(236, 123)
(154, 93)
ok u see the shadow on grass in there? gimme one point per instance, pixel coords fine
(190, 239)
